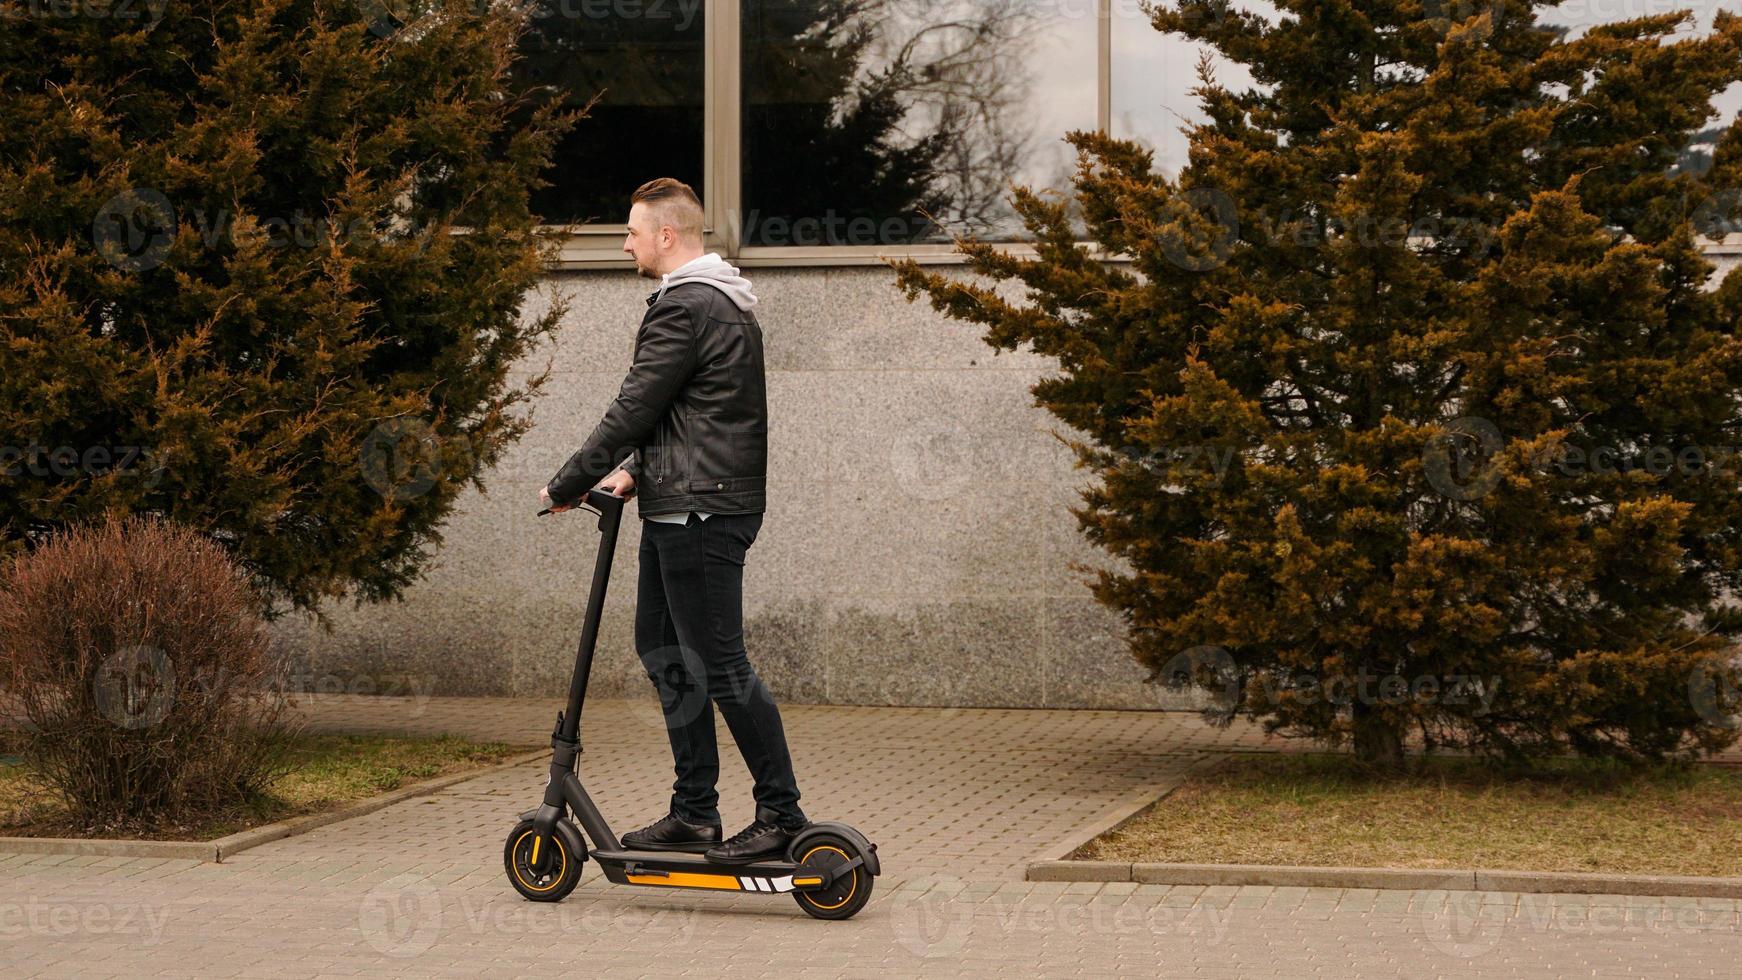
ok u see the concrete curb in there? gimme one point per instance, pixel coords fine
(1111, 816)
(1408, 879)
(224, 847)
(1053, 865)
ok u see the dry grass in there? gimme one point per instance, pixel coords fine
(1322, 810)
(327, 771)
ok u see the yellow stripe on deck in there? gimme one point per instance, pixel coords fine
(685, 880)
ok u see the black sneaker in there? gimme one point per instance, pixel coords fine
(758, 841)
(673, 833)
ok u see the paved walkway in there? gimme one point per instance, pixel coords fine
(958, 800)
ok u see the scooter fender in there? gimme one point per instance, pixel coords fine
(570, 834)
(866, 848)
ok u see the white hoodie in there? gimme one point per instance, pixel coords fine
(716, 272)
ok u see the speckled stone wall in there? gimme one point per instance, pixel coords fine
(1726, 261)
(916, 550)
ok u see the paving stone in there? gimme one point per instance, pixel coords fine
(958, 800)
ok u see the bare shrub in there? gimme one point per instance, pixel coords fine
(134, 651)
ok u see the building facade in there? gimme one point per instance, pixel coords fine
(918, 547)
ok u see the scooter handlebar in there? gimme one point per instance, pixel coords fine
(596, 491)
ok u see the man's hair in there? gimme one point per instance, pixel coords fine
(673, 203)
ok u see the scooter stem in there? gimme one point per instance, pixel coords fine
(610, 520)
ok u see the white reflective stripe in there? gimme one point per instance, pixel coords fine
(783, 884)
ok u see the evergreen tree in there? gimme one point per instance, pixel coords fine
(231, 286)
(1413, 411)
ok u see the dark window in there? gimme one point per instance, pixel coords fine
(647, 61)
(862, 116)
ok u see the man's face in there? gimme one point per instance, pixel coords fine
(643, 241)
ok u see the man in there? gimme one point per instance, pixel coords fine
(689, 428)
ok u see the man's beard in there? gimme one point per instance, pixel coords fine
(644, 272)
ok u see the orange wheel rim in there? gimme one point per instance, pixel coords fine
(562, 868)
(854, 878)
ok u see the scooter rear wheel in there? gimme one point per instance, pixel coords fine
(847, 894)
(558, 879)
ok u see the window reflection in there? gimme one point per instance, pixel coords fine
(861, 116)
(1579, 16)
(647, 60)
(1153, 73)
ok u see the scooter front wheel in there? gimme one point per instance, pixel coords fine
(524, 853)
(848, 893)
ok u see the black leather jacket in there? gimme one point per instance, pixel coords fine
(690, 422)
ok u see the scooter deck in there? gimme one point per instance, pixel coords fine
(676, 869)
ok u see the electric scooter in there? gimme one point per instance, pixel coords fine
(828, 868)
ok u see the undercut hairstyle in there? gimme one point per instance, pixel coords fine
(673, 204)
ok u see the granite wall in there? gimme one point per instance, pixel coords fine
(916, 550)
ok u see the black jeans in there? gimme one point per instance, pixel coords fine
(689, 633)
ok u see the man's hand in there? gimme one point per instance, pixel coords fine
(544, 498)
(619, 483)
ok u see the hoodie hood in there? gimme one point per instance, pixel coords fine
(714, 271)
